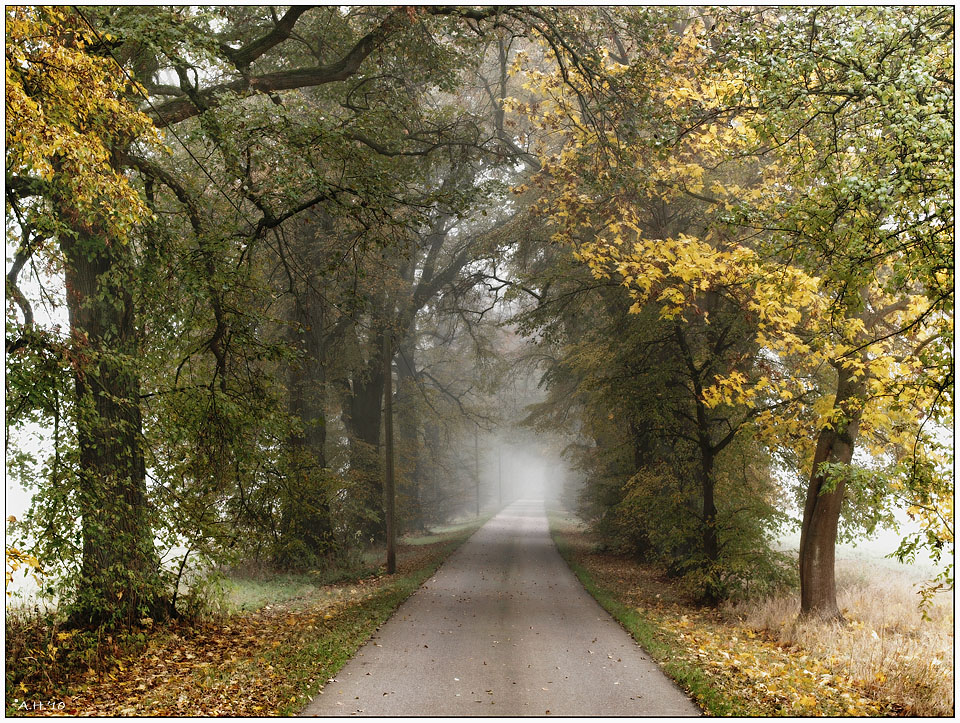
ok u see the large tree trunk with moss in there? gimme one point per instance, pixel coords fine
(362, 415)
(120, 580)
(307, 527)
(821, 513)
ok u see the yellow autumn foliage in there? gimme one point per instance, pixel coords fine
(71, 111)
(806, 330)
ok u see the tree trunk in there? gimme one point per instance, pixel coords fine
(408, 428)
(821, 513)
(119, 580)
(711, 548)
(389, 489)
(362, 417)
(307, 386)
(307, 512)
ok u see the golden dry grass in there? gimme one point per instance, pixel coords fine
(886, 647)
(764, 661)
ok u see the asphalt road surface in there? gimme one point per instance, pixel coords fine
(502, 629)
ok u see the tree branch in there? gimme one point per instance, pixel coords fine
(281, 31)
(180, 109)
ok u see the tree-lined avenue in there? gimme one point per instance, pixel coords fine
(293, 289)
(504, 629)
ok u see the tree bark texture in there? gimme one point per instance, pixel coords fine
(307, 512)
(120, 580)
(821, 513)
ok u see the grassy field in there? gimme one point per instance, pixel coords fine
(887, 647)
(758, 659)
(267, 648)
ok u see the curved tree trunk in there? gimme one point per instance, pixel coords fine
(821, 513)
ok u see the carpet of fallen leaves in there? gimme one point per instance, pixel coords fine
(243, 665)
(767, 678)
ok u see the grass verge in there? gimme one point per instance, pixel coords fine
(265, 662)
(657, 641)
(354, 626)
(757, 659)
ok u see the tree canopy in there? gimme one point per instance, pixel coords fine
(726, 236)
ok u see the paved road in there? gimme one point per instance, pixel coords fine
(502, 629)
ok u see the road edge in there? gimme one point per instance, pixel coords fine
(654, 640)
(350, 631)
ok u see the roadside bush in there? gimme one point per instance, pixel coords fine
(659, 519)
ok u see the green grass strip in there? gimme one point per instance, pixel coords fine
(659, 643)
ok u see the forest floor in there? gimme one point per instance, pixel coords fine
(757, 659)
(268, 660)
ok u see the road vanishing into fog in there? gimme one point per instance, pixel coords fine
(502, 629)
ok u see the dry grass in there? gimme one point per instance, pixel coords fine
(886, 647)
(761, 660)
